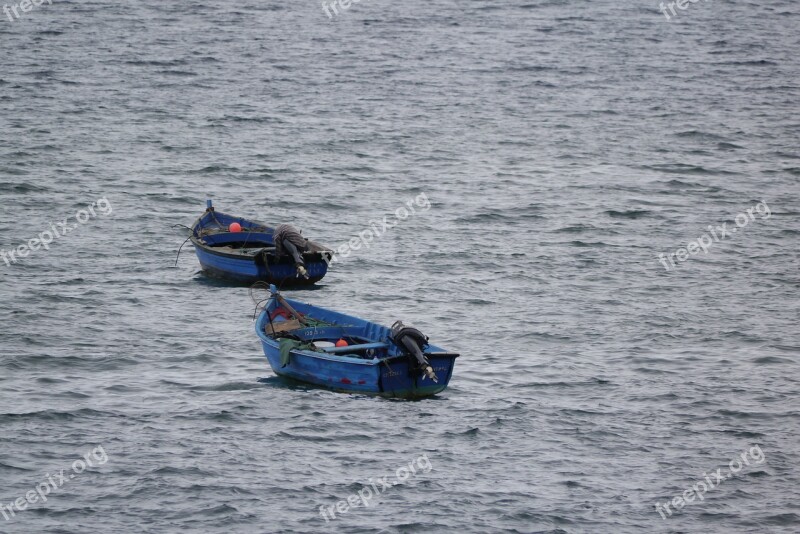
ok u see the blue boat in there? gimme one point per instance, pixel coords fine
(347, 354)
(248, 255)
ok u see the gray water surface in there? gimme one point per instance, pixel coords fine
(563, 146)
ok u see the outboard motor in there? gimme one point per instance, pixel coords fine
(413, 341)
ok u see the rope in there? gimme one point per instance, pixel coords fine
(179, 250)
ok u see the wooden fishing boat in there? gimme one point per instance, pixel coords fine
(302, 341)
(248, 255)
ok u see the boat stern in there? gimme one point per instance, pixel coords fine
(400, 377)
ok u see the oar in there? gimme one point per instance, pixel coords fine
(288, 306)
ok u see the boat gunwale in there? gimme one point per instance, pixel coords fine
(311, 255)
(197, 239)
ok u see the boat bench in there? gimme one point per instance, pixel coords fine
(351, 348)
(310, 333)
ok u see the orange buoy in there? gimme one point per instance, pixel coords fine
(341, 343)
(235, 227)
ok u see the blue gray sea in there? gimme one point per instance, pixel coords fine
(612, 245)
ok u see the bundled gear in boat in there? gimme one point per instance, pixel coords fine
(413, 342)
(288, 240)
(287, 345)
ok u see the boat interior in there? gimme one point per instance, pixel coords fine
(248, 241)
(239, 241)
(325, 336)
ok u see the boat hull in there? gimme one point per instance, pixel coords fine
(393, 379)
(394, 375)
(248, 256)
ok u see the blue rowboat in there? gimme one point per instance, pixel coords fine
(249, 256)
(299, 342)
